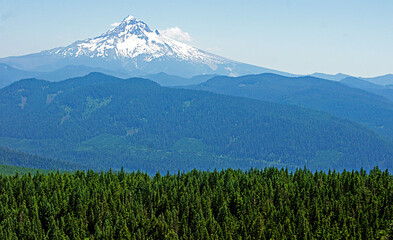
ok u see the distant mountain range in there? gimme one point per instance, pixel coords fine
(383, 90)
(102, 121)
(336, 77)
(380, 80)
(9, 75)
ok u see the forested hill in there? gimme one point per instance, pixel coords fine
(257, 204)
(24, 160)
(386, 91)
(357, 105)
(12, 170)
(102, 122)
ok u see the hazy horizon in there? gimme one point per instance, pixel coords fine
(300, 37)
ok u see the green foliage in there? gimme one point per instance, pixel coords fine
(94, 104)
(105, 122)
(12, 170)
(229, 204)
(190, 145)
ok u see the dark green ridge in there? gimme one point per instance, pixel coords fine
(104, 122)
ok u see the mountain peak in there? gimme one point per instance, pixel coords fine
(129, 18)
(134, 43)
(130, 26)
(133, 47)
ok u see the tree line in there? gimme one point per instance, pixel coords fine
(270, 203)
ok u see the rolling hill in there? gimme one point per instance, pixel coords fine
(383, 90)
(357, 105)
(380, 80)
(11, 160)
(10, 74)
(105, 122)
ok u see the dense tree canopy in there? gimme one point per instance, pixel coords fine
(229, 204)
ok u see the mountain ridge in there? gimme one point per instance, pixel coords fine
(382, 90)
(370, 109)
(103, 121)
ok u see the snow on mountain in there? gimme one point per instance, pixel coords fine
(132, 46)
(133, 38)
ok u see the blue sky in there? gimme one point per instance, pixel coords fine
(303, 36)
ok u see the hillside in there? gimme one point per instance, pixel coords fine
(369, 109)
(9, 74)
(14, 161)
(382, 90)
(379, 80)
(382, 80)
(12, 170)
(102, 122)
(172, 80)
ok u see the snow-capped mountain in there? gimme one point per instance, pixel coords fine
(133, 47)
(134, 39)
